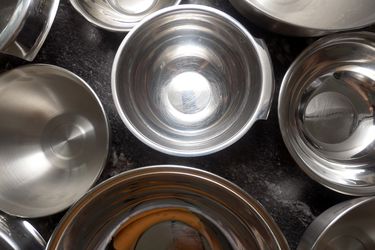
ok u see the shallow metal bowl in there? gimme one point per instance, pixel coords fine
(190, 80)
(308, 17)
(346, 226)
(24, 25)
(54, 140)
(231, 218)
(327, 112)
(119, 15)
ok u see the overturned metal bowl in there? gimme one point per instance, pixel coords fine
(18, 234)
(327, 112)
(119, 15)
(54, 140)
(197, 206)
(308, 17)
(196, 84)
(346, 226)
(24, 25)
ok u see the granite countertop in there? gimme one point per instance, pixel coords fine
(259, 162)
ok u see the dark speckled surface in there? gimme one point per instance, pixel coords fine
(259, 162)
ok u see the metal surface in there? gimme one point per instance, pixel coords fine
(326, 112)
(194, 87)
(54, 140)
(234, 220)
(308, 17)
(346, 226)
(18, 234)
(24, 25)
(118, 15)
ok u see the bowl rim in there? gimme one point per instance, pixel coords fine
(97, 23)
(157, 170)
(295, 151)
(87, 87)
(265, 97)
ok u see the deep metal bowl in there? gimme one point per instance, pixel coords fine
(327, 112)
(24, 25)
(190, 80)
(54, 140)
(346, 226)
(18, 234)
(308, 17)
(118, 15)
(231, 218)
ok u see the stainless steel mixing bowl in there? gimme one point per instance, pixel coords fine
(118, 15)
(190, 80)
(195, 202)
(24, 25)
(346, 226)
(327, 112)
(18, 234)
(54, 140)
(308, 17)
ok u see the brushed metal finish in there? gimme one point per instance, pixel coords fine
(346, 226)
(237, 220)
(119, 15)
(54, 140)
(24, 25)
(18, 234)
(326, 112)
(308, 17)
(195, 85)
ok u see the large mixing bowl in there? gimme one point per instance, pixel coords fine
(24, 25)
(346, 226)
(327, 112)
(190, 80)
(119, 15)
(54, 140)
(167, 207)
(308, 17)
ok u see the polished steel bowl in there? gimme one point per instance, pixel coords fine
(118, 15)
(54, 140)
(190, 80)
(327, 112)
(18, 234)
(346, 226)
(218, 212)
(24, 25)
(308, 17)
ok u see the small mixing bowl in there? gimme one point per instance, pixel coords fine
(346, 226)
(327, 112)
(54, 140)
(164, 206)
(190, 80)
(24, 25)
(118, 15)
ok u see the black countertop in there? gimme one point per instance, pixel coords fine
(259, 162)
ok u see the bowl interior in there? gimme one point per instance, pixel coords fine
(315, 14)
(54, 140)
(7, 9)
(353, 230)
(327, 109)
(135, 202)
(194, 82)
(119, 14)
